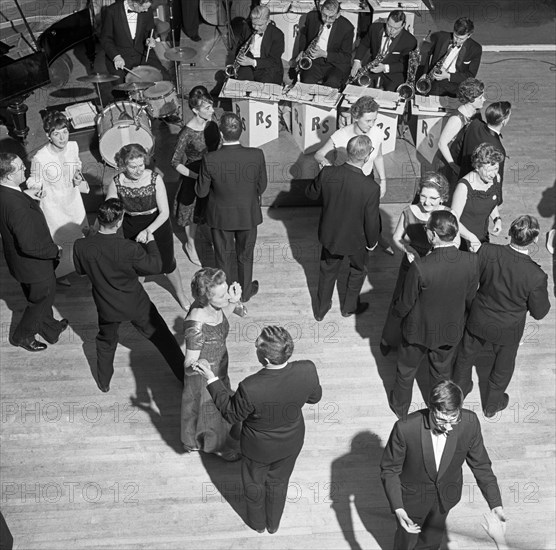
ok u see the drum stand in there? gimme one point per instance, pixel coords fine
(219, 35)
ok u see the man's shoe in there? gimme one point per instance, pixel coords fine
(254, 291)
(195, 38)
(385, 349)
(272, 530)
(103, 389)
(31, 345)
(361, 308)
(64, 323)
(491, 412)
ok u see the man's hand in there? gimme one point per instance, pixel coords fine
(496, 528)
(234, 290)
(442, 75)
(202, 367)
(119, 62)
(318, 52)
(382, 185)
(245, 61)
(142, 236)
(355, 68)
(379, 68)
(409, 525)
(60, 251)
(499, 513)
(497, 228)
(150, 42)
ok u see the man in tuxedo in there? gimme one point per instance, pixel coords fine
(114, 264)
(263, 60)
(497, 117)
(438, 290)
(234, 178)
(125, 34)
(186, 17)
(269, 404)
(460, 55)
(331, 52)
(31, 256)
(393, 43)
(349, 225)
(421, 467)
(511, 284)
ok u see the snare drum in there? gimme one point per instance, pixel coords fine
(161, 99)
(145, 73)
(122, 123)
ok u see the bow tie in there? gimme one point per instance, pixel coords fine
(132, 11)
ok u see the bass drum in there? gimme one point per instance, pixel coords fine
(122, 123)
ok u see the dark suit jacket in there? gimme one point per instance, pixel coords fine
(437, 291)
(350, 218)
(408, 469)
(113, 265)
(272, 48)
(269, 403)
(340, 42)
(467, 62)
(28, 247)
(397, 56)
(478, 132)
(511, 284)
(116, 38)
(234, 178)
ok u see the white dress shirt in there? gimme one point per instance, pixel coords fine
(324, 37)
(438, 444)
(449, 64)
(255, 48)
(131, 19)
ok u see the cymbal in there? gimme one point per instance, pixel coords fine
(182, 53)
(98, 78)
(133, 86)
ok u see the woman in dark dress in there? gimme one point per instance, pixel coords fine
(143, 194)
(411, 238)
(198, 136)
(477, 196)
(206, 327)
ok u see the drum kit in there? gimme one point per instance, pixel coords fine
(148, 97)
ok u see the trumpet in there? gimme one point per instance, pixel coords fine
(232, 69)
(362, 76)
(407, 89)
(424, 84)
(305, 62)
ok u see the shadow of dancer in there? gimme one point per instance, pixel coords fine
(355, 485)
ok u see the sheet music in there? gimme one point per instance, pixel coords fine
(435, 104)
(82, 115)
(248, 89)
(386, 100)
(322, 96)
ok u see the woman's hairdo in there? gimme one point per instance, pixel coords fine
(130, 152)
(204, 282)
(54, 120)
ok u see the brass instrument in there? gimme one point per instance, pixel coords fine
(407, 89)
(232, 69)
(424, 84)
(362, 76)
(305, 62)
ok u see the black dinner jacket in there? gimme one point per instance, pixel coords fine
(233, 178)
(28, 247)
(272, 48)
(116, 38)
(350, 218)
(478, 132)
(269, 403)
(467, 62)
(398, 53)
(511, 284)
(437, 291)
(408, 469)
(340, 41)
(113, 264)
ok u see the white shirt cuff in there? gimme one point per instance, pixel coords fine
(211, 380)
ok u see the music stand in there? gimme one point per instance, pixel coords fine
(218, 34)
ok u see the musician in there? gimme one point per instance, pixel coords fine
(262, 62)
(391, 41)
(126, 33)
(331, 53)
(460, 56)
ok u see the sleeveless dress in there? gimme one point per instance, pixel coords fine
(202, 425)
(190, 149)
(414, 230)
(139, 203)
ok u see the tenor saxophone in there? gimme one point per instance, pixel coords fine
(407, 89)
(232, 69)
(305, 62)
(362, 76)
(424, 84)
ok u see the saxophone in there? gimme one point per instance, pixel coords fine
(424, 84)
(362, 76)
(232, 69)
(407, 89)
(306, 61)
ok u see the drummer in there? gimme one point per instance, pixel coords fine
(129, 49)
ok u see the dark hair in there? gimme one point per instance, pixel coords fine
(363, 106)
(444, 224)
(397, 16)
(446, 397)
(130, 152)
(54, 120)
(141, 2)
(497, 112)
(359, 147)
(484, 154)
(110, 212)
(204, 282)
(469, 90)
(230, 126)
(198, 96)
(524, 230)
(330, 5)
(6, 165)
(275, 343)
(434, 180)
(463, 26)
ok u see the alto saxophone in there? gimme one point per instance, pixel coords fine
(424, 84)
(232, 69)
(305, 62)
(362, 76)
(407, 89)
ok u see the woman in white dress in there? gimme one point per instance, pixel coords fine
(56, 180)
(364, 113)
